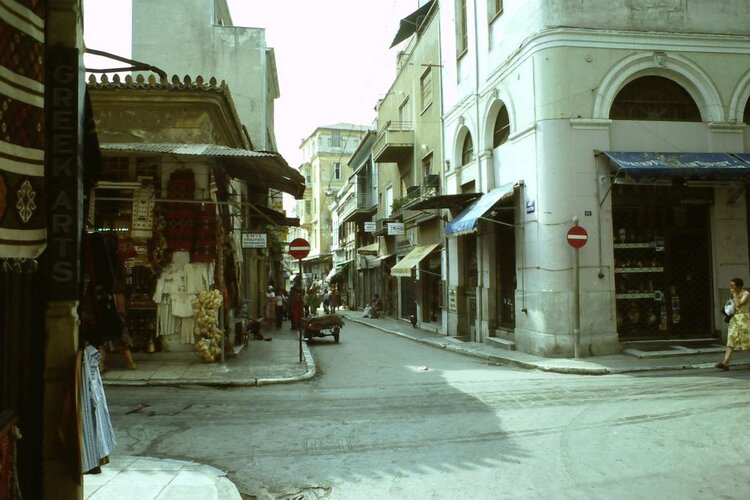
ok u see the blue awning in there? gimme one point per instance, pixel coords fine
(688, 166)
(466, 222)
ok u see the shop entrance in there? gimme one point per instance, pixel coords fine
(662, 263)
(505, 268)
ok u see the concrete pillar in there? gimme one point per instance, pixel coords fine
(61, 319)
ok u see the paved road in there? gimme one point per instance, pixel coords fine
(393, 419)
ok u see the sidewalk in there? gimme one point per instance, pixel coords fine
(146, 478)
(278, 361)
(677, 357)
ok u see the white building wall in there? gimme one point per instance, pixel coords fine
(558, 85)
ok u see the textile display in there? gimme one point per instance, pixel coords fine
(9, 487)
(99, 319)
(176, 289)
(23, 233)
(180, 217)
(204, 249)
(143, 213)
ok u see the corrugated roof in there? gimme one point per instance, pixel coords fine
(258, 168)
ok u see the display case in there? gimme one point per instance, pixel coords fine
(640, 284)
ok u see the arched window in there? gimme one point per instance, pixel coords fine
(654, 98)
(746, 115)
(467, 151)
(502, 128)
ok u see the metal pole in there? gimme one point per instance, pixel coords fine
(576, 301)
(220, 272)
(299, 324)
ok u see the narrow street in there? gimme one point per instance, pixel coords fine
(390, 418)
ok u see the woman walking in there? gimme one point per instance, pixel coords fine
(739, 326)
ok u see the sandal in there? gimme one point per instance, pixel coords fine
(722, 366)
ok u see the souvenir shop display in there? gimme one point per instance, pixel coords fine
(639, 270)
(206, 306)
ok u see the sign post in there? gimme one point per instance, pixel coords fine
(577, 237)
(299, 248)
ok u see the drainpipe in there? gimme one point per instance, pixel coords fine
(480, 243)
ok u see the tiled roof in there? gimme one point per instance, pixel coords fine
(141, 82)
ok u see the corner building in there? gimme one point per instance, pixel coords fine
(632, 120)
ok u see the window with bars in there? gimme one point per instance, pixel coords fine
(654, 98)
(116, 168)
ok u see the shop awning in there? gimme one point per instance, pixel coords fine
(444, 201)
(264, 169)
(371, 249)
(338, 269)
(411, 259)
(277, 218)
(411, 23)
(686, 166)
(466, 222)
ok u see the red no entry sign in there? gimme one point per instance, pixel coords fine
(299, 248)
(577, 236)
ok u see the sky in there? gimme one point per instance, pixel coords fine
(332, 56)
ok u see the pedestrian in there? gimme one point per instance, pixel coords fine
(295, 306)
(372, 310)
(313, 300)
(279, 307)
(270, 309)
(738, 336)
(326, 301)
(335, 300)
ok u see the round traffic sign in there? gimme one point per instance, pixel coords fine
(577, 236)
(299, 248)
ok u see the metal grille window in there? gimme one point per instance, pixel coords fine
(116, 168)
(662, 263)
(654, 98)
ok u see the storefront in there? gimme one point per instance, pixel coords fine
(493, 249)
(663, 227)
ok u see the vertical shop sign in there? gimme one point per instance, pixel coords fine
(64, 172)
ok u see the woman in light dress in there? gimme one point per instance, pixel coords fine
(739, 326)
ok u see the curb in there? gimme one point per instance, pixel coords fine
(544, 366)
(310, 372)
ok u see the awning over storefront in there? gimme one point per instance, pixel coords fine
(410, 24)
(371, 262)
(411, 259)
(687, 166)
(466, 222)
(371, 249)
(265, 169)
(338, 270)
(444, 201)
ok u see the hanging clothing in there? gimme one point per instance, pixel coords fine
(98, 436)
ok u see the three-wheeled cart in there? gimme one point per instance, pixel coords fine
(322, 326)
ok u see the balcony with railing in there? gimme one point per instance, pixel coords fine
(358, 207)
(429, 188)
(394, 141)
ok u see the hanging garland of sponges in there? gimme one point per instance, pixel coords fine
(205, 310)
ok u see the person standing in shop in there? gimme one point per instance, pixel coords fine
(279, 305)
(270, 310)
(738, 336)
